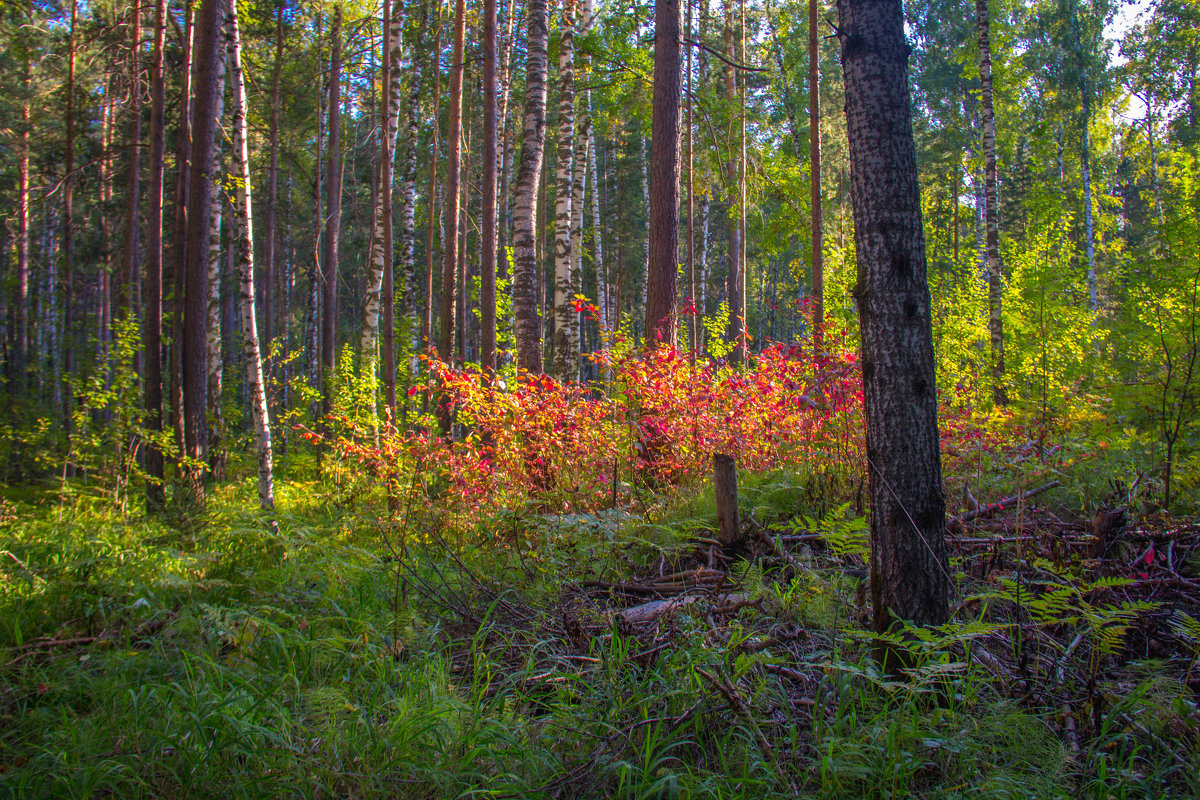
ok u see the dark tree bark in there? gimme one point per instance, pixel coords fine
(183, 149)
(153, 299)
(908, 552)
(69, 223)
(725, 488)
(133, 193)
(526, 271)
(665, 130)
(200, 198)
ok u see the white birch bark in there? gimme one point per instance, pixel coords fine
(408, 212)
(260, 416)
(578, 193)
(376, 255)
(564, 288)
(597, 230)
(526, 275)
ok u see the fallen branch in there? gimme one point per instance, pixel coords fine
(777, 549)
(992, 508)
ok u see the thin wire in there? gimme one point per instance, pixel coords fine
(916, 527)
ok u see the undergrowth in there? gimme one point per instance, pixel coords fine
(345, 652)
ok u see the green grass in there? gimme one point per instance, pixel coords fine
(230, 659)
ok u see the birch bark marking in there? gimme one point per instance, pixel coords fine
(260, 416)
(908, 551)
(378, 254)
(563, 288)
(527, 319)
(992, 206)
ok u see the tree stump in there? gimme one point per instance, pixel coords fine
(729, 525)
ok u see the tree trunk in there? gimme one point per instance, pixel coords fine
(207, 58)
(216, 422)
(666, 127)
(564, 289)
(260, 417)
(992, 206)
(725, 488)
(448, 319)
(22, 298)
(908, 552)
(408, 209)
(379, 255)
(693, 317)
(270, 237)
(487, 269)
(183, 150)
(333, 212)
(733, 257)
(435, 69)
(153, 299)
(814, 160)
(69, 225)
(526, 277)
(597, 228)
(133, 192)
(450, 287)
(583, 130)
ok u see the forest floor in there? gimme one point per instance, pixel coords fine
(346, 653)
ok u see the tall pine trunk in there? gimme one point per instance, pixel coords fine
(153, 298)
(183, 149)
(207, 58)
(68, 234)
(666, 127)
(216, 419)
(909, 579)
(130, 267)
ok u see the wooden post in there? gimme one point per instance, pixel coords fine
(729, 526)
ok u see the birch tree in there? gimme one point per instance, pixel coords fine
(378, 253)
(565, 343)
(243, 213)
(528, 322)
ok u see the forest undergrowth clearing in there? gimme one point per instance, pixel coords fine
(530, 660)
